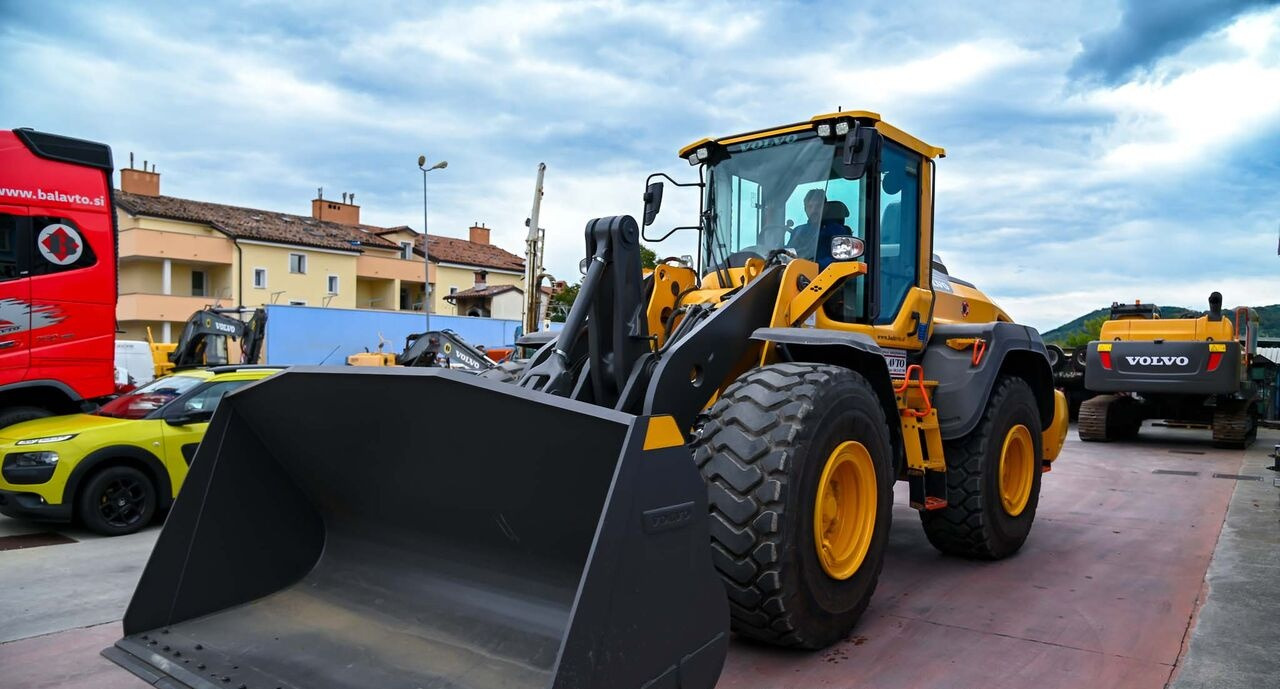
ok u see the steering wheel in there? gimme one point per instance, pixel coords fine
(769, 251)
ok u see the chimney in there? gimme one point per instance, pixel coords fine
(345, 211)
(141, 182)
(481, 278)
(479, 233)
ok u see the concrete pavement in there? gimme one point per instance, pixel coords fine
(1104, 594)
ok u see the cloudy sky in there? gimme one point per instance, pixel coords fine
(1097, 151)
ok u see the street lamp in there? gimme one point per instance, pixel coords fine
(426, 252)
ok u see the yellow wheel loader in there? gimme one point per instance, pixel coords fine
(1187, 369)
(709, 447)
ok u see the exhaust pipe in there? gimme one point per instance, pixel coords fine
(355, 528)
(1215, 306)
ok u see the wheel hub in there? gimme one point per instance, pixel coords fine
(1017, 470)
(845, 510)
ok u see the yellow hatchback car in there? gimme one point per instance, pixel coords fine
(115, 468)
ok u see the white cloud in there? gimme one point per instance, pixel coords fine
(1185, 109)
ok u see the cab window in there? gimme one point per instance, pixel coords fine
(9, 268)
(899, 227)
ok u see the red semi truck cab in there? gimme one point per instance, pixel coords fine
(57, 274)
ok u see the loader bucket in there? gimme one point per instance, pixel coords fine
(428, 528)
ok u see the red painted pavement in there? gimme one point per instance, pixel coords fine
(1101, 595)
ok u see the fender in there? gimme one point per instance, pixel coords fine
(852, 350)
(71, 395)
(155, 469)
(963, 388)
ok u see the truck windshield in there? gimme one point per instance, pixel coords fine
(780, 193)
(148, 398)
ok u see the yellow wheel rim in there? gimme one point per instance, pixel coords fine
(1017, 470)
(844, 515)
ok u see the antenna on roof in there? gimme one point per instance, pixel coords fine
(344, 197)
(320, 193)
(130, 160)
(353, 199)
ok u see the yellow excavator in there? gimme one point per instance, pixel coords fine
(1195, 369)
(705, 449)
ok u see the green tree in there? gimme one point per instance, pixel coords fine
(562, 301)
(1092, 329)
(648, 258)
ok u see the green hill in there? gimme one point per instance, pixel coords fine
(1269, 316)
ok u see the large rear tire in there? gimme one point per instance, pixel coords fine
(993, 479)
(780, 440)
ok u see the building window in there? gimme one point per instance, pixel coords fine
(406, 250)
(298, 263)
(199, 283)
(297, 302)
(453, 290)
(333, 284)
(260, 278)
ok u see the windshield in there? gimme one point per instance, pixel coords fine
(148, 398)
(781, 193)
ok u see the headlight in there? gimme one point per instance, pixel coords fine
(846, 248)
(842, 127)
(49, 439)
(31, 459)
(824, 129)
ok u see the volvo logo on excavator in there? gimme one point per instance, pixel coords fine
(1157, 360)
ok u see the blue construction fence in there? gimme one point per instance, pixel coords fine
(315, 335)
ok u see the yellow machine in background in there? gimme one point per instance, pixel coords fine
(212, 336)
(553, 532)
(1187, 369)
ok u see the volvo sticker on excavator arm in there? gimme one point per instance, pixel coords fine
(897, 361)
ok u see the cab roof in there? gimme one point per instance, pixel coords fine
(864, 117)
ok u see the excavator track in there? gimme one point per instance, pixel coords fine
(1092, 423)
(1234, 427)
(1109, 417)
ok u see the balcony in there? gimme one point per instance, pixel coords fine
(175, 245)
(159, 307)
(386, 268)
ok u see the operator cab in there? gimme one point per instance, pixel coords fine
(842, 187)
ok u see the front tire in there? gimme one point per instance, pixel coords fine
(13, 415)
(993, 479)
(117, 500)
(799, 470)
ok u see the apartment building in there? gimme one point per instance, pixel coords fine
(180, 255)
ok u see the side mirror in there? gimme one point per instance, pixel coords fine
(652, 202)
(856, 152)
(185, 418)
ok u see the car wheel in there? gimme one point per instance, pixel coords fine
(117, 500)
(13, 415)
